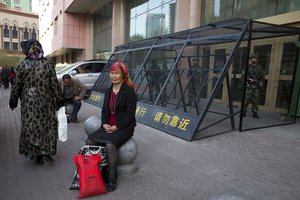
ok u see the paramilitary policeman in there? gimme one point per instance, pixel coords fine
(254, 83)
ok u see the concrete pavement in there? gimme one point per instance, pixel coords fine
(254, 165)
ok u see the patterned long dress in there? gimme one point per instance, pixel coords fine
(38, 89)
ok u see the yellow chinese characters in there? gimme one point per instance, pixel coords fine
(140, 111)
(173, 121)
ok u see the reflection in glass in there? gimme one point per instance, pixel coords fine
(288, 61)
(284, 94)
(150, 19)
(254, 9)
(285, 6)
(218, 10)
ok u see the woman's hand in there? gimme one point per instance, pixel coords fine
(109, 129)
(106, 127)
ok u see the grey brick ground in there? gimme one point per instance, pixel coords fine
(255, 165)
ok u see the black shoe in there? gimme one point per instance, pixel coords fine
(255, 115)
(39, 160)
(75, 121)
(111, 187)
(48, 158)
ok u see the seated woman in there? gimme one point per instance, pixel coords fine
(118, 118)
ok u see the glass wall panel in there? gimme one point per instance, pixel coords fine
(284, 94)
(216, 10)
(285, 6)
(288, 58)
(149, 19)
(254, 9)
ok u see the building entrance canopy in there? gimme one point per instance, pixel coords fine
(190, 84)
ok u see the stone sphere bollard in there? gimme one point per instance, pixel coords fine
(92, 124)
(69, 109)
(127, 154)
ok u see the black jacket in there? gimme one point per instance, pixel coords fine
(124, 110)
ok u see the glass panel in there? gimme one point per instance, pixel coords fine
(154, 4)
(6, 45)
(15, 46)
(220, 90)
(26, 34)
(239, 61)
(285, 6)
(150, 19)
(33, 36)
(155, 23)
(284, 94)
(264, 52)
(6, 31)
(254, 9)
(15, 32)
(140, 27)
(288, 60)
(220, 59)
(216, 10)
(141, 8)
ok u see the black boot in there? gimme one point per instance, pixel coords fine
(39, 160)
(255, 115)
(244, 113)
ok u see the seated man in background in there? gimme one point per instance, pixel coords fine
(73, 91)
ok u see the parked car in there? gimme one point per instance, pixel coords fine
(86, 71)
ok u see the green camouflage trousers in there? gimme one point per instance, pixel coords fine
(252, 95)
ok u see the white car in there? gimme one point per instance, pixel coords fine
(86, 71)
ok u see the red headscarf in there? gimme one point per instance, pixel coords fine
(122, 67)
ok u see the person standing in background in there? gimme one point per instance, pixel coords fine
(12, 76)
(5, 77)
(38, 89)
(254, 82)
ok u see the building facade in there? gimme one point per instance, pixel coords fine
(75, 30)
(17, 23)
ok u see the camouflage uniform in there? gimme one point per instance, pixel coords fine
(195, 75)
(255, 81)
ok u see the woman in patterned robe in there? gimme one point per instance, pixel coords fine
(40, 95)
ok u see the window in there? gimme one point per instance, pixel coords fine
(285, 6)
(15, 46)
(15, 32)
(149, 18)
(6, 30)
(284, 94)
(6, 45)
(288, 61)
(26, 34)
(220, 60)
(33, 35)
(219, 10)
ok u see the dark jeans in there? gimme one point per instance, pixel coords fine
(5, 82)
(76, 107)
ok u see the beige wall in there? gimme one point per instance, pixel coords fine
(188, 14)
(118, 23)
